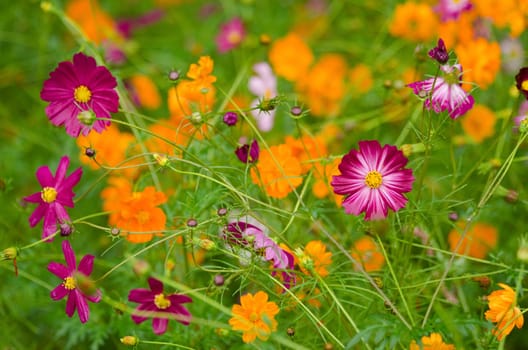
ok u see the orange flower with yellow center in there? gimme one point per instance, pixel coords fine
(278, 170)
(255, 317)
(308, 149)
(432, 342)
(315, 258)
(503, 311)
(95, 23)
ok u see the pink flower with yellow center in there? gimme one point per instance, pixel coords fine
(80, 92)
(76, 283)
(159, 306)
(373, 179)
(57, 192)
(231, 35)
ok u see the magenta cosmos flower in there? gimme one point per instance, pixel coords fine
(159, 304)
(76, 283)
(57, 192)
(444, 93)
(231, 35)
(79, 93)
(452, 9)
(373, 179)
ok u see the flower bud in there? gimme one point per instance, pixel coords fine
(230, 118)
(162, 160)
(174, 75)
(206, 244)
(219, 280)
(66, 229)
(192, 223)
(196, 118)
(89, 152)
(221, 211)
(130, 340)
(86, 117)
(10, 253)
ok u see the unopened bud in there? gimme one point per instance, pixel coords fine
(196, 118)
(10, 253)
(219, 280)
(192, 223)
(162, 160)
(89, 152)
(66, 229)
(130, 340)
(86, 117)
(174, 75)
(206, 244)
(264, 39)
(222, 211)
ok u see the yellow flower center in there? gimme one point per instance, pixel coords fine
(82, 94)
(69, 283)
(48, 194)
(234, 37)
(524, 85)
(161, 302)
(253, 317)
(373, 179)
(143, 217)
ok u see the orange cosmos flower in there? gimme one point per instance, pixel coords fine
(503, 311)
(170, 131)
(133, 212)
(323, 86)
(315, 258)
(255, 317)
(95, 23)
(505, 13)
(308, 149)
(414, 22)
(478, 241)
(323, 177)
(479, 123)
(290, 57)
(278, 170)
(111, 148)
(367, 252)
(481, 61)
(458, 31)
(361, 79)
(145, 90)
(432, 342)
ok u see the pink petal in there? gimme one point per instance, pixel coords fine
(45, 177)
(159, 325)
(156, 286)
(141, 296)
(69, 255)
(143, 308)
(82, 306)
(86, 265)
(71, 304)
(59, 292)
(38, 214)
(59, 270)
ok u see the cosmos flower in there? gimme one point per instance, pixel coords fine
(374, 179)
(76, 283)
(521, 80)
(248, 153)
(80, 92)
(255, 317)
(231, 35)
(439, 52)
(264, 86)
(432, 342)
(160, 304)
(503, 311)
(444, 93)
(451, 9)
(57, 192)
(248, 233)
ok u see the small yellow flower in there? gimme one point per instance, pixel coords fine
(503, 311)
(254, 317)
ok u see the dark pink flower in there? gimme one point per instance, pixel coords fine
(373, 179)
(162, 306)
(444, 93)
(521, 81)
(57, 192)
(231, 35)
(248, 153)
(79, 93)
(126, 26)
(76, 283)
(439, 52)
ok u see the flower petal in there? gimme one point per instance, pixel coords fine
(159, 325)
(59, 270)
(59, 292)
(69, 255)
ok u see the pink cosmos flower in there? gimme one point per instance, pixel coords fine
(373, 179)
(231, 35)
(76, 283)
(264, 86)
(451, 9)
(57, 192)
(443, 93)
(251, 236)
(162, 306)
(79, 93)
